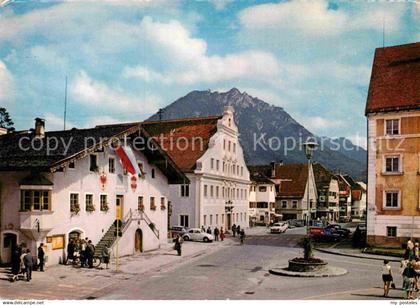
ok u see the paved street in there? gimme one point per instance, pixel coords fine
(213, 271)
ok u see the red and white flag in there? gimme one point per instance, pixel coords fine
(128, 160)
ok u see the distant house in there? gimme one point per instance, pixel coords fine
(393, 112)
(358, 205)
(262, 199)
(344, 198)
(292, 189)
(328, 193)
(208, 152)
(80, 190)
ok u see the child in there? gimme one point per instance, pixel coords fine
(386, 277)
(408, 280)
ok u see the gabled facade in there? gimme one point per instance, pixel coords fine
(79, 190)
(328, 194)
(212, 158)
(393, 112)
(262, 199)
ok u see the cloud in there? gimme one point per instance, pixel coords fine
(187, 61)
(97, 94)
(6, 84)
(220, 4)
(55, 122)
(319, 125)
(317, 19)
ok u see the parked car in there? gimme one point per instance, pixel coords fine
(339, 229)
(178, 230)
(324, 234)
(279, 227)
(344, 219)
(196, 234)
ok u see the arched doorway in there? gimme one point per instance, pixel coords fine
(138, 244)
(9, 245)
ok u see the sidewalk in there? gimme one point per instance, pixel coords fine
(356, 253)
(67, 282)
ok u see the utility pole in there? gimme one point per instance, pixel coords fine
(117, 250)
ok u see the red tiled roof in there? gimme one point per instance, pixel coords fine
(295, 177)
(192, 135)
(395, 79)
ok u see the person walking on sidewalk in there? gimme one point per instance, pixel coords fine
(408, 280)
(41, 257)
(90, 252)
(242, 236)
(216, 234)
(238, 230)
(208, 230)
(28, 261)
(386, 277)
(178, 244)
(203, 229)
(16, 263)
(106, 253)
(222, 234)
(234, 230)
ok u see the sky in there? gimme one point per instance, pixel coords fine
(126, 59)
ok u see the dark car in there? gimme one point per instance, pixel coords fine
(178, 230)
(324, 234)
(338, 229)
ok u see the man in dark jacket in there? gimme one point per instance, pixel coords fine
(208, 230)
(41, 256)
(90, 251)
(216, 234)
(234, 230)
(28, 261)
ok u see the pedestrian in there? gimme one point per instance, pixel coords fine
(242, 236)
(16, 263)
(238, 230)
(41, 257)
(203, 229)
(222, 234)
(386, 277)
(208, 230)
(106, 253)
(416, 267)
(71, 247)
(216, 234)
(28, 261)
(90, 252)
(234, 230)
(83, 256)
(416, 250)
(408, 280)
(178, 244)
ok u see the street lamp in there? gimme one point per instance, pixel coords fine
(309, 146)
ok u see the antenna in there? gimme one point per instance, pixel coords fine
(65, 104)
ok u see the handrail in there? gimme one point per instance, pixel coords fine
(143, 216)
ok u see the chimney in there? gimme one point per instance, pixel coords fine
(3, 131)
(273, 169)
(39, 128)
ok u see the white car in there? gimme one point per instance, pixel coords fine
(197, 235)
(279, 227)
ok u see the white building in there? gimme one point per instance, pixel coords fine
(262, 200)
(80, 190)
(358, 206)
(208, 151)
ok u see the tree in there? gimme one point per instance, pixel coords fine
(5, 120)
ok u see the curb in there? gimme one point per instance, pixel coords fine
(356, 256)
(284, 272)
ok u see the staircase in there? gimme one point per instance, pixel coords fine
(110, 236)
(141, 215)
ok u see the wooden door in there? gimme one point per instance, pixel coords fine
(138, 241)
(119, 207)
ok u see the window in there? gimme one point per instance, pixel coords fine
(262, 218)
(205, 190)
(111, 165)
(211, 219)
(217, 192)
(185, 190)
(284, 204)
(392, 127)
(262, 189)
(223, 192)
(252, 205)
(262, 205)
(242, 170)
(224, 165)
(162, 203)
(153, 173)
(217, 219)
(224, 144)
(392, 199)
(237, 193)
(234, 147)
(392, 164)
(74, 203)
(228, 145)
(294, 204)
(211, 163)
(184, 220)
(103, 200)
(152, 203)
(211, 191)
(89, 203)
(140, 203)
(205, 219)
(237, 170)
(217, 165)
(33, 200)
(223, 219)
(233, 169)
(93, 163)
(72, 165)
(391, 231)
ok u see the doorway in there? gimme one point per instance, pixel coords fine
(119, 207)
(229, 221)
(9, 245)
(138, 244)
